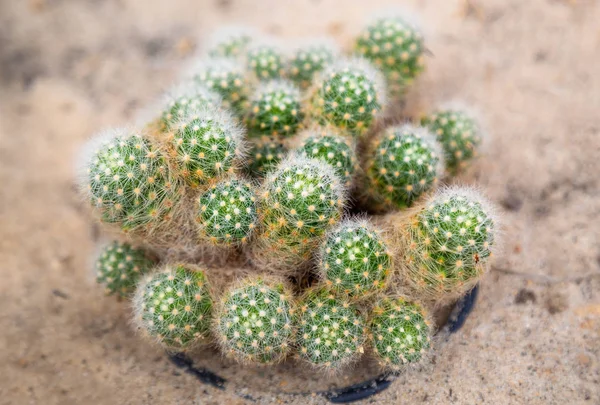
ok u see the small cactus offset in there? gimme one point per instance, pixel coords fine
(174, 306)
(400, 332)
(348, 95)
(184, 100)
(275, 110)
(405, 162)
(230, 42)
(207, 145)
(354, 260)
(459, 135)
(448, 243)
(254, 320)
(331, 332)
(120, 266)
(309, 60)
(396, 48)
(264, 155)
(333, 149)
(129, 181)
(266, 61)
(227, 212)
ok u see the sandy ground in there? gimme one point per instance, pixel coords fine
(69, 68)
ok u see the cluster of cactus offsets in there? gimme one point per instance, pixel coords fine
(349, 95)
(254, 320)
(400, 332)
(174, 306)
(459, 135)
(395, 47)
(275, 110)
(404, 163)
(331, 331)
(120, 266)
(266, 165)
(227, 212)
(354, 260)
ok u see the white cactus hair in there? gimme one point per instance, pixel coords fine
(474, 113)
(270, 86)
(409, 16)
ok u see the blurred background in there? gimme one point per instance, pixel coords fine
(70, 68)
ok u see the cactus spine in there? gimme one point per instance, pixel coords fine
(309, 60)
(264, 156)
(185, 100)
(266, 61)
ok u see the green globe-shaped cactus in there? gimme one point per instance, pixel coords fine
(449, 243)
(309, 60)
(128, 181)
(186, 99)
(348, 95)
(396, 48)
(405, 163)
(174, 306)
(227, 78)
(330, 331)
(266, 61)
(459, 135)
(264, 156)
(275, 110)
(227, 212)
(354, 260)
(400, 332)
(230, 41)
(120, 266)
(207, 145)
(333, 149)
(254, 321)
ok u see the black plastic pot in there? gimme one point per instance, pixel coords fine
(351, 393)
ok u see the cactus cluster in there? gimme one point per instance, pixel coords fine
(318, 276)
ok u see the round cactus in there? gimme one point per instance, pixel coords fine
(405, 163)
(128, 180)
(230, 41)
(348, 95)
(354, 260)
(253, 322)
(333, 149)
(459, 135)
(227, 212)
(331, 332)
(309, 60)
(264, 156)
(449, 243)
(185, 100)
(208, 144)
(174, 306)
(266, 61)
(275, 110)
(400, 332)
(395, 47)
(226, 77)
(120, 266)
(299, 202)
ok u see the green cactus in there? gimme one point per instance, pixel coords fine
(354, 260)
(400, 332)
(299, 202)
(184, 100)
(254, 320)
(266, 61)
(333, 149)
(459, 135)
(227, 78)
(230, 42)
(174, 306)
(128, 180)
(449, 243)
(227, 212)
(207, 146)
(275, 110)
(395, 47)
(309, 60)
(264, 156)
(404, 163)
(331, 331)
(120, 266)
(348, 95)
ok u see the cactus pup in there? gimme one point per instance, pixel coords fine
(309, 59)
